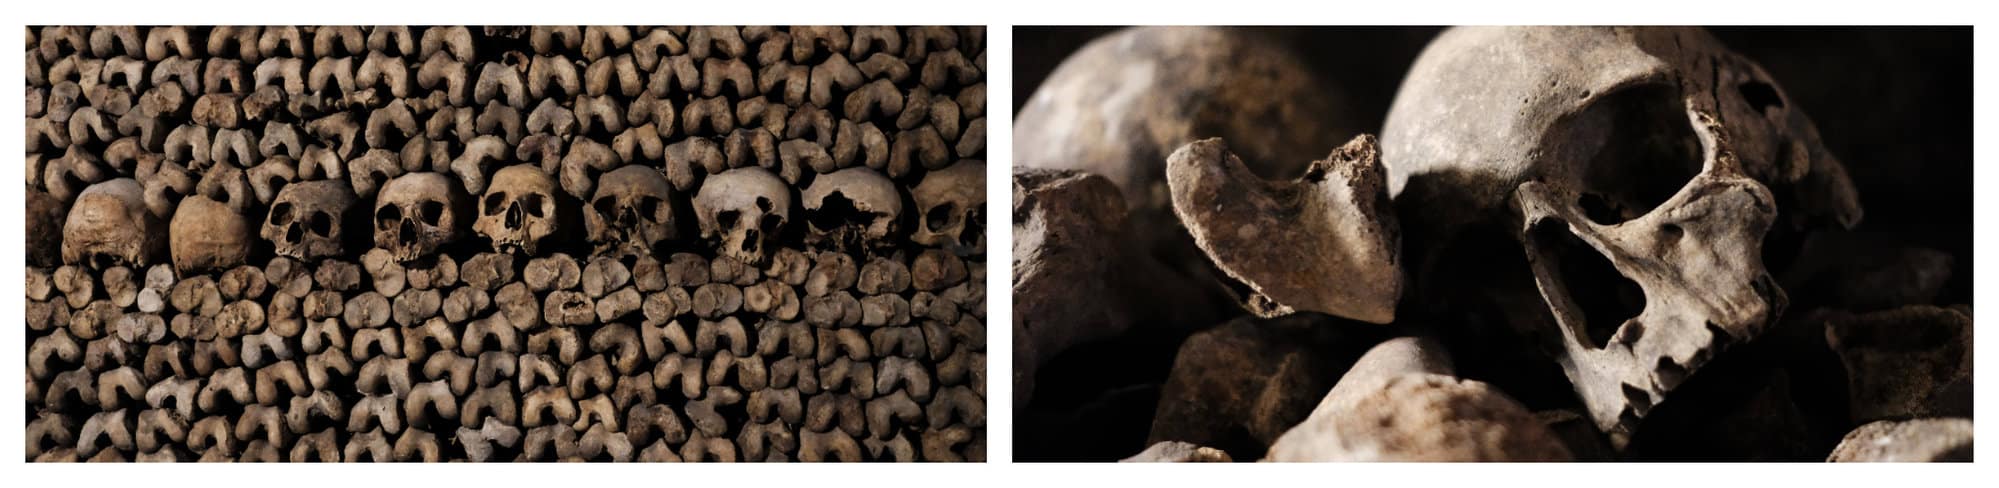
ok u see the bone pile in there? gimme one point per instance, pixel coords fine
(506, 243)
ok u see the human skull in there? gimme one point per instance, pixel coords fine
(308, 219)
(1641, 147)
(207, 235)
(953, 205)
(518, 212)
(745, 208)
(417, 213)
(853, 208)
(110, 225)
(632, 210)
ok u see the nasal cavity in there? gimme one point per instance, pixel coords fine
(514, 217)
(407, 234)
(1605, 298)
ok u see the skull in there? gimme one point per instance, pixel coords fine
(745, 208)
(417, 213)
(308, 219)
(1638, 148)
(632, 209)
(518, 212)
(953, 202)
(109, 225)
(208, 235)
(853, 208)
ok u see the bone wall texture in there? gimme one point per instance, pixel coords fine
(506, 243)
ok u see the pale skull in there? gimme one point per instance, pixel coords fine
(854, 208)
(309, 220)
(417, 213)
(1640, 148)
(518, 213)
(632, 211)
(208, 235)
(110, 225)
(953, 205)
(744, 209)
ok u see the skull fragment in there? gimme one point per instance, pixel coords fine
(110, 225)
(854, 208)
(208, 235)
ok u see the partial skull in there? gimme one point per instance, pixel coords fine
(744, 209)
(208, 235)
(1624, 156)
(110, 225)
(953, 205)
(632, 211)
(417, 213)
(852, 209)
(308, 220)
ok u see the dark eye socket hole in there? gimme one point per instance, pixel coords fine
(388, 216)
(606, 206)
(321, 224)
(532, 202)
(940, 217)
(281, 214)
(728, 218)
(649, 207)
(771, 223)
(430, 212)
(1599, 210)
(1759, 95)
(494, 203)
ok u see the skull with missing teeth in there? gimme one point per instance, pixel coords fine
(853, 208)
(418, 213)
(744, 209)
(518, 212)
(632, 210)
(1640, 157)
(953, 205)
(307, 220)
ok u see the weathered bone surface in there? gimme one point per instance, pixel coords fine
(584, 324)
(1632, 146)
(1908, 441)
(1326, 243)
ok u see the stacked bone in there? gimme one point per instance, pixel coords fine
(423, 244)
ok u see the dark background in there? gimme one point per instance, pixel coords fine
(1893, 103)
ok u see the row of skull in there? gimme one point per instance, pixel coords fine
(634, 210)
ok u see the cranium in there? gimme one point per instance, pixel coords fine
(632, 209)
(518, 212)
(1640, 147)
(308, 219)
(745, 208)
(953, 205)
(109, 225)
(417, 213)
(853, 208)
(208, 235)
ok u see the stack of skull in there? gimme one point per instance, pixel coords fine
(601, 243)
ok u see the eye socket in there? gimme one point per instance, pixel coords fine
(649, 206)
(494, 203)
(430, 212)
(1759, 95)
(728, 218)
(606, 206)
(770, 223)
(941, 217)
(321, 224)
(281, 214)
(388, 216)
(532, 203)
